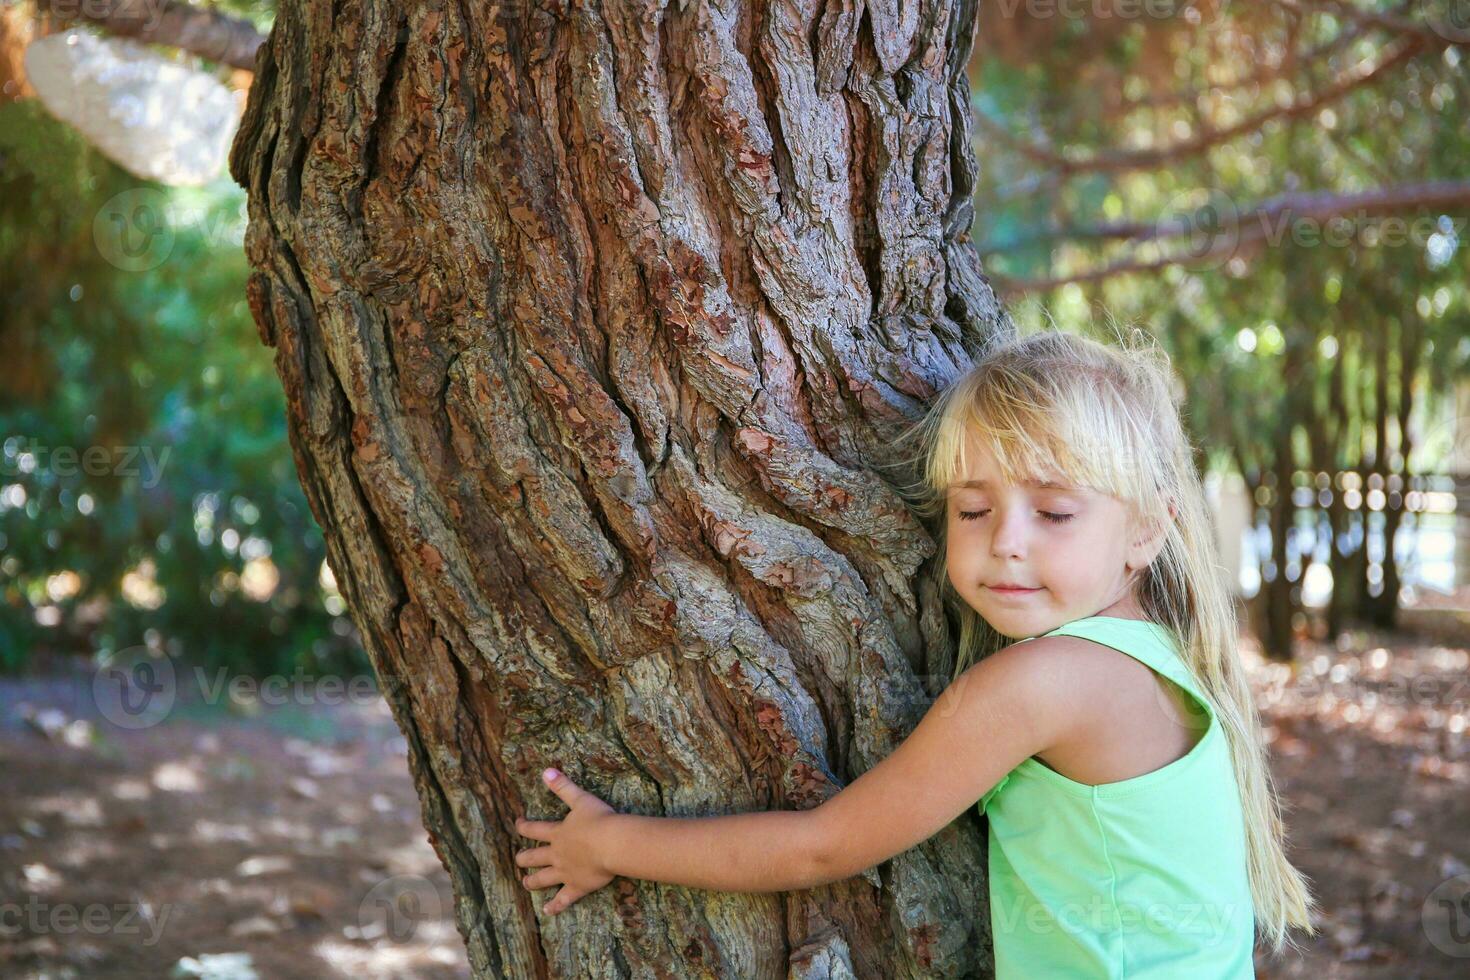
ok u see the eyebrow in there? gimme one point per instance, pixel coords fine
(1040, 485)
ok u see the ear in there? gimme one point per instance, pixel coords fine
(1148, 540)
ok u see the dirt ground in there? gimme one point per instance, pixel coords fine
(283, 840)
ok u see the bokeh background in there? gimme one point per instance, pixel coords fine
(1277, 189)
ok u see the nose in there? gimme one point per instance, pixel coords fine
(1009, 539)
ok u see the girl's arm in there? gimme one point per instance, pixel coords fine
(763, 851)
(1018, 702)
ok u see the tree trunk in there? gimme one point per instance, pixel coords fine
(1333, 461)
(1411, 343)
(1277, 593)
(1280, 596)
(596, 327)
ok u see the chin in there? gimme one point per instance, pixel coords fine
(1011, 626)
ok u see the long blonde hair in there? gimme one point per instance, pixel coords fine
(1108, 418)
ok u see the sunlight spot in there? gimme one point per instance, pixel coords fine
(212, 832)
(40, 877)
(176, 777)
(131, 789)
(262, 865)
(63, 585)
(140, 587)
(73, 810)
(259, 579)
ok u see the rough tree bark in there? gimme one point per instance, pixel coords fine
(596, 325)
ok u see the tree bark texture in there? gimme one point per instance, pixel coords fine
(596, 325)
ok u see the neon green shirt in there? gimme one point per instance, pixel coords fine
(1141, 878)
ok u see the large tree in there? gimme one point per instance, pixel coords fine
(597, 325)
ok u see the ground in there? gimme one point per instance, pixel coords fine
(289, 834)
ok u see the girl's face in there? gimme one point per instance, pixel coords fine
(1030, 558)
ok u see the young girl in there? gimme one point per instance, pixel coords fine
(1133, 826)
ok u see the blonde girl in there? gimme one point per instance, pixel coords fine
(1099, 712)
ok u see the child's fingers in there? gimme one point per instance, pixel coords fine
(544, 878)
(571, 794)
(563, 898)
(534, 857)
(535, 829)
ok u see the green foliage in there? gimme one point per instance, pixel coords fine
(142, 427)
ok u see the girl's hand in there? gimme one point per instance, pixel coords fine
(571, 856)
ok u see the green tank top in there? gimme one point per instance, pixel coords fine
(1141, 878)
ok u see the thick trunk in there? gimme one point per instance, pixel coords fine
(596, 326)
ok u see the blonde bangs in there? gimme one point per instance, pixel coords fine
(1062, 432)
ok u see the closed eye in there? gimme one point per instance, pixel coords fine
(971, 515)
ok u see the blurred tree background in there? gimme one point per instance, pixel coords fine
(126, 332)
(1276, 188)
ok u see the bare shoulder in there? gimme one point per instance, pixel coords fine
(1067, 665)
(1054, 680)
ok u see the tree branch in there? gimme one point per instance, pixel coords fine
(1118, 161)
(1290, 61)
(1367, 18)
(1264, 224)
(210, 34)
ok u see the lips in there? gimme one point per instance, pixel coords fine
(1011, 589)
